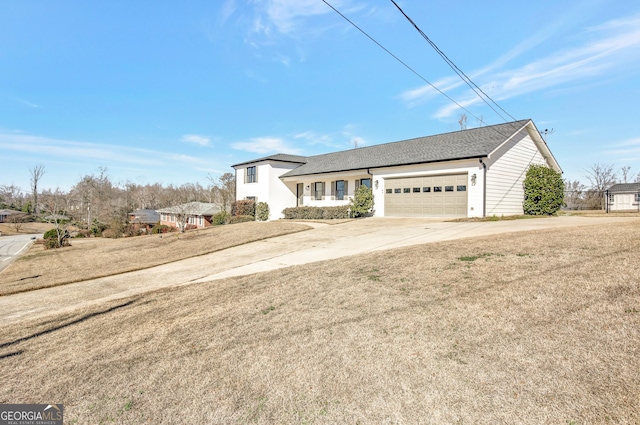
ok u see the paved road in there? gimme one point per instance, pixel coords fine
(324, 242)
(11, 247)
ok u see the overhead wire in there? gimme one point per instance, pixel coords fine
(476, 89)
(402, 62)
(480, 119)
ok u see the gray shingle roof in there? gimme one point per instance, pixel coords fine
(282, 157)
(145, 216)
(474, 143)
(193, 208)
(625, 187)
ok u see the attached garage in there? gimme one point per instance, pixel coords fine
(435, 196)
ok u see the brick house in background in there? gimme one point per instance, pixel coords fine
(193, 215)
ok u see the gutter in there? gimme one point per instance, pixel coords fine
(484, 189)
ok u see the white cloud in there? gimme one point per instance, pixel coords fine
(195, 139)
(288, 15)
(265, 145)
(27, 103)
(50, 149)
(612, 46)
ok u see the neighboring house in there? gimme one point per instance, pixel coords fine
(469, 173)
(145, 218)
(192, 215)
(623, 197)
(4, 215)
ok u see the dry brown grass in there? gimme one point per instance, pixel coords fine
(97, 257)
(27, 228)
(537, 327)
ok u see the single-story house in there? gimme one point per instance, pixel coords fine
(469, 173)
(145, 218)
(4, 214)
(191, 215)
(623, 197)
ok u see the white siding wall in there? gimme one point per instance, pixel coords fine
(624, 202)
(470, 166)
(506, 170)
(268, 187)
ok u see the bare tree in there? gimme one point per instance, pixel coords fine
(56, 204)
(12, 197)
(574, 195)
(227, 190)
(36, 174)
(18, 220)
(463, 121)
(625, 173)
(601, 177)
(638, 178)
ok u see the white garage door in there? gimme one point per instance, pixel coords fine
(433, 196)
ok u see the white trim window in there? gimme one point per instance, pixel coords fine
(318, 191)
(251, 175)
(339, 190)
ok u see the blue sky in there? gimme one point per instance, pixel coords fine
(170, 92)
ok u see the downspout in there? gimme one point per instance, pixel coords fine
(606, 201)
(484, 189)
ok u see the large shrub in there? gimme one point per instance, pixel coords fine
(56, 238)
(262, 211)
(362, 201)
(543, 191)
(243, 207)
(316, 213)
(220, 218)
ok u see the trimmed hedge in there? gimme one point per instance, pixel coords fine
(316, 213)
(243, 207)
(241, 219)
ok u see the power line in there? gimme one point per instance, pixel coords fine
(402, 62)
(476, 89)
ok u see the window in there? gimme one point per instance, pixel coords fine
(462, 188)
(406, 190)
(611, 198)
(318, 191)
(251, 175)
(448, 188)
(366, 182)
(437, 188)
(426, 189)
(340, 190)
(251, 198)
(416, 190)
(637, 198)
(389, 190)
(397, 190)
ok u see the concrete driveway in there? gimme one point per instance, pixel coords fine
(323, 242)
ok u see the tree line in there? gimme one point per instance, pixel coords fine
(96, 199)
(579, 196)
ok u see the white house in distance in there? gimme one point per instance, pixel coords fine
(469, 173)
(623, 197)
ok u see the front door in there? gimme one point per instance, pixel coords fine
(300, 190)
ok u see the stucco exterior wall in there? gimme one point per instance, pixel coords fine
(268, 186)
